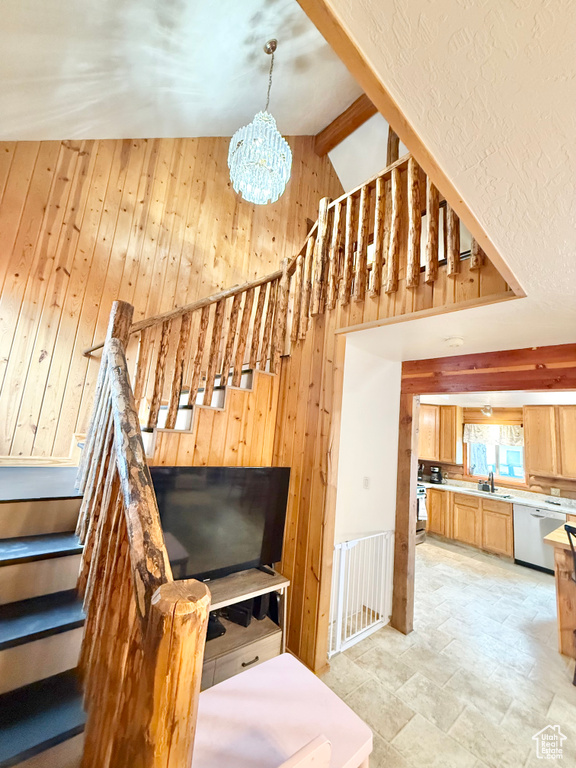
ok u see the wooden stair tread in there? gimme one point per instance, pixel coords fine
(39, 716)
(28, 620)
(30, 548)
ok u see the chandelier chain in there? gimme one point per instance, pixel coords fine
(269, 81)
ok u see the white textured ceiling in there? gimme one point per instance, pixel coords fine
(490, 87)
(162, 68)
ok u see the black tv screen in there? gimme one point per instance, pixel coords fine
(219, 520)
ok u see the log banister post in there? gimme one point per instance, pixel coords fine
(414, 225)
(173, 650)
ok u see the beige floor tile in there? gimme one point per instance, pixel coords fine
(384, 755)
(426, 746)
(392, 640)
(386, 667)
(562, 711)
(426, 662)
(524, 722)
(344, 675)
(438, 705)
(469, 658)
(490, 743)
(520, 688)
(380, 708)
(486, 696)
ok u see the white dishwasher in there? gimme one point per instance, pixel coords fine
(530, 527)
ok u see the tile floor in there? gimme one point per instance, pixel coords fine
(478, 677)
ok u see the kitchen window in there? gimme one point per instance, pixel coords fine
(496, 448)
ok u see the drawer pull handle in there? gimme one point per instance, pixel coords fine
(248, 663)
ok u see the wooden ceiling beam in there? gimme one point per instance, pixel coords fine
(345, 124)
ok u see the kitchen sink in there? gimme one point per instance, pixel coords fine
(496, 495)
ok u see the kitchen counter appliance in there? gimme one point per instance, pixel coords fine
(530, 527)
(436, 475)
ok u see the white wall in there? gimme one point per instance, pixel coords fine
(363, 153)
(368, 444)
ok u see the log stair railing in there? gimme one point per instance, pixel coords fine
(352, 252)
(143, 647)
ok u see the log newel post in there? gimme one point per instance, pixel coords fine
(173, 654)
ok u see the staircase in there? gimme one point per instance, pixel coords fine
(41, 619)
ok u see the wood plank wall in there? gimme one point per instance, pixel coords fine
(239, 435)
(153, 222)
(307, 434)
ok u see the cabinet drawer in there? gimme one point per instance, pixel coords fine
(466, 501)
(208, 675)
(492, 505)
(249, 656)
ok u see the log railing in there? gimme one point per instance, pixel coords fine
(143, 647)
(360, 246)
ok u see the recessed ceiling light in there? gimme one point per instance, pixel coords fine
(454, 341)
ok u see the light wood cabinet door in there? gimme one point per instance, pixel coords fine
(466, 520)
(450, 440)
(567, 439)
(429, 433)
(540, 442)
(437, 507)
(497, 529)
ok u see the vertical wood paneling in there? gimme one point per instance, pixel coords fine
(240, 435)
(153, 222)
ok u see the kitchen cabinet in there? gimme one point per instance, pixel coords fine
(437, 503)
(478, 521)
(451, 433)
(540, 440)
(467, 519)
(497, 527)
(429, 433)
(549, 444)
(440, 433)
(567, 440)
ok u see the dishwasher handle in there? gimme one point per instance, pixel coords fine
(536, 515)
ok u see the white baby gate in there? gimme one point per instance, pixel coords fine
(361, 589)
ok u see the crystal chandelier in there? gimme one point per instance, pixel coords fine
(259, 158)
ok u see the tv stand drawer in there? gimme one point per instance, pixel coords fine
(247, 657)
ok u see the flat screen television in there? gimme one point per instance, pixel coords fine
(219, 520)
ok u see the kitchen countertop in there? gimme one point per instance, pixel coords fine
(558, 538)
(536, 500)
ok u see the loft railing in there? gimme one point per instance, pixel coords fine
(143, 646)
(359, 246)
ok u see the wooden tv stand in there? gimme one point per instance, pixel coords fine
(244, 647)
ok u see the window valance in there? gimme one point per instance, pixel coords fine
(495, 434)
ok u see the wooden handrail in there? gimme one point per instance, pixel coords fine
(148, 556)
(173, 314)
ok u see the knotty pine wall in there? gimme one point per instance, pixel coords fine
(239, 435)
(153, 222)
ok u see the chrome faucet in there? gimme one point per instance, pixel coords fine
(491, 481)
